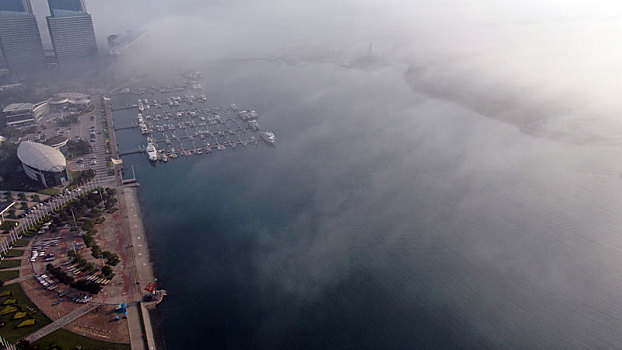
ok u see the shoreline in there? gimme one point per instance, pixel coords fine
(141, 270)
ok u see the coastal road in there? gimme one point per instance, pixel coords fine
(62, 322)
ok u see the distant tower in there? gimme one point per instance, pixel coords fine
(72, 33)
(20, 40)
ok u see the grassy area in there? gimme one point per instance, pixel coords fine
(8, 275)
(14, 253)
(50, 191)
(5, 264)
(10, 331)
(65, 339)
(7, 225)
(21, 242)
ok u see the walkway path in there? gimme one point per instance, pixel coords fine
(17, 268)
(137, 341)
(139, 271)
(62, 322)
(19, 279)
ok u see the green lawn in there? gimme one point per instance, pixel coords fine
(7, 225)
(8, 275)
(50, 191)
(65, 339)
(14, 253)
(21, 242)
(5, 264)
(10, 332)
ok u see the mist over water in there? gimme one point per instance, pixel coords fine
(456, 188)
(383, 219)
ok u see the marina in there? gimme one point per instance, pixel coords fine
(186, 125)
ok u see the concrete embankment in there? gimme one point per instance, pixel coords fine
(140, 271)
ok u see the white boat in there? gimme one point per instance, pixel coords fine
(254, 124)
(268, 137)
(143, 128)
(152, 152)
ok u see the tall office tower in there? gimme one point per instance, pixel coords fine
(71, 30)
(20, 40)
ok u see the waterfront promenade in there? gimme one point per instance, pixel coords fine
(140, 270)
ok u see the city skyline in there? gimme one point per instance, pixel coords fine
(72, 33)
(20, 39)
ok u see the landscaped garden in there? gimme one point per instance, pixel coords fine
(8, 275)
(18, 315)
(8, 263)
(14, 253)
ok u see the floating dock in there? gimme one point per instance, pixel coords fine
(185, 126)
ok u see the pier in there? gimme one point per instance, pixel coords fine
(130, 181)
(131, 152)
(125, 128)
(124, 108)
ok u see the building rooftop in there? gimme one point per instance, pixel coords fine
(70, 97)
(56, 141)
(73, 95)
(19, 118)
(41, 157)
(18, 107)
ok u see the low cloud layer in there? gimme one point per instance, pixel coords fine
(548, 67)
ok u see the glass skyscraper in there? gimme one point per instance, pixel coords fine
(20, 40)
(71, 31)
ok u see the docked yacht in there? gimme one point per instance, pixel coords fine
(268, 137)
(152, 152)
(254, 125)
(143, 128)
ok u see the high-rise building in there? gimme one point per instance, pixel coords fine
(71, 31)
(20, 40)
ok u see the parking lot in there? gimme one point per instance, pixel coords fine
(89, 128)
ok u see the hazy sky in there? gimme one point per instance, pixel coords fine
(547, 66)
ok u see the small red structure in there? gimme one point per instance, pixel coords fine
(151, 287)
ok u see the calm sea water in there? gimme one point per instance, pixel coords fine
(382, 220)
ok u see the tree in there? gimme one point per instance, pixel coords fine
(35, 198)
(107, 271)
(87, 286)
(78, 148)
(1, 283)
(21, 196)
(88, 240)
(111, 258)
(96, 251)
(24, 345)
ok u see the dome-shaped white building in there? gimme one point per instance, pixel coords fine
(42, 163)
